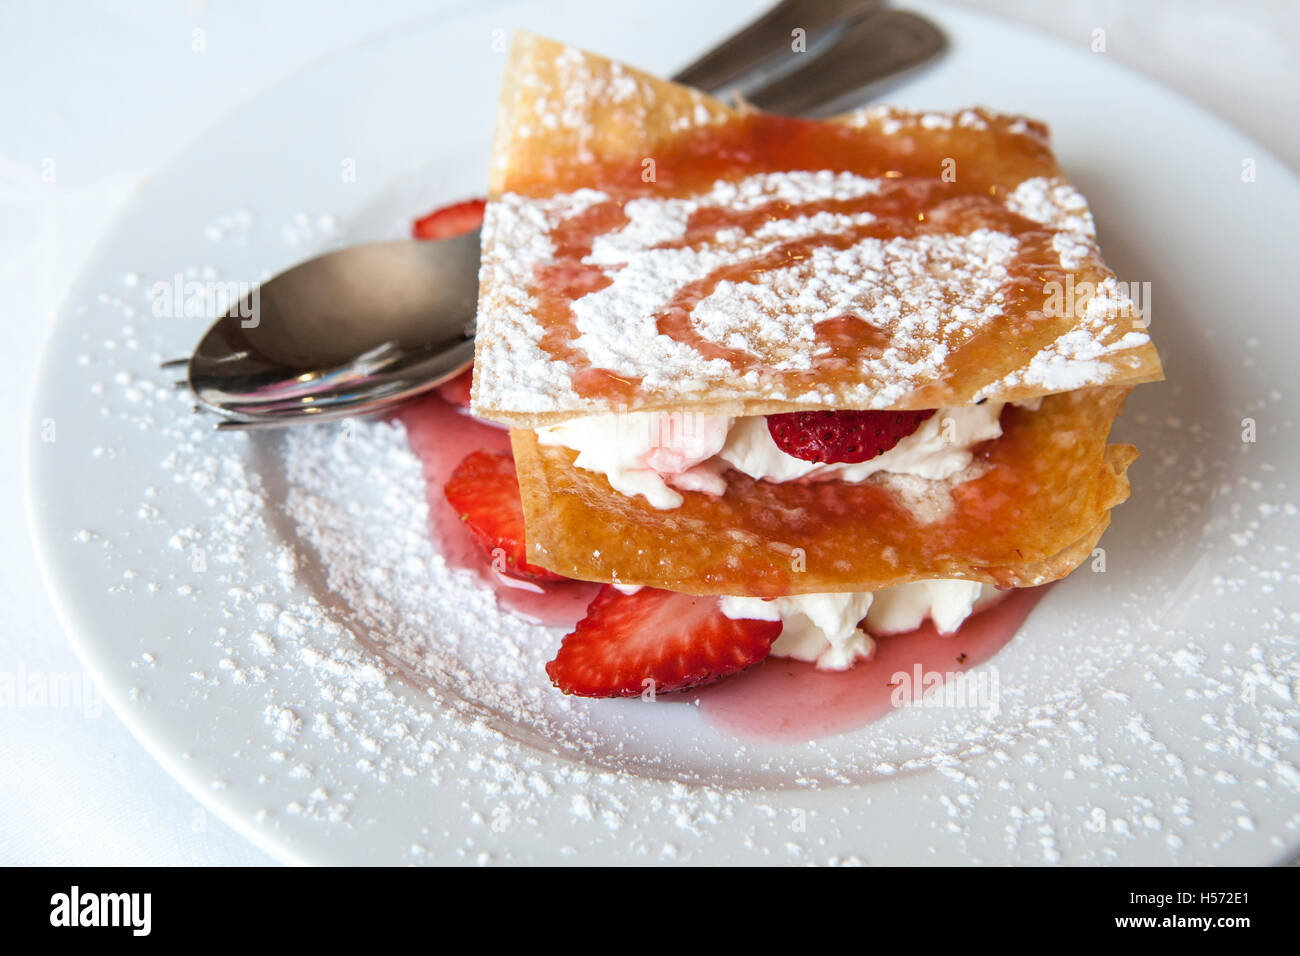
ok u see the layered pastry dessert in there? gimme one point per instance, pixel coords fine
(783, 384)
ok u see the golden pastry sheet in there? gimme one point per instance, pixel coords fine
(1032, 516)
(570, 120)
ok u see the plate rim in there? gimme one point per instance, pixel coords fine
(74, 620)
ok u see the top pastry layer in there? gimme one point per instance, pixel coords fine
(649, 248)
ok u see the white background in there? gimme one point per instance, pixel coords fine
(103, 94)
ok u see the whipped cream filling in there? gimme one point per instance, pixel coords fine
(658, 454)
(825, 628)
(640, 453)
(939, 448)
(653, 453)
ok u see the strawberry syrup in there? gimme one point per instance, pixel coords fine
(785, 701)
(441, 435)
(779, 701)
(912, 201)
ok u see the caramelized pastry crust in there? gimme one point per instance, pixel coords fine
(1030, 511)
(649, 248)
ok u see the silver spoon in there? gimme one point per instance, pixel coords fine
(361, 329)
(364, 327)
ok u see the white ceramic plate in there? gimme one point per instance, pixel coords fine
(252, 603)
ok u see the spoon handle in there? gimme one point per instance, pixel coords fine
(885, 45)
(768, 38)
(267, 424)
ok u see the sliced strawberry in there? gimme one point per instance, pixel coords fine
(675, 640)
(457, 390)
(484, 491)
(849, 436)
(454, 220)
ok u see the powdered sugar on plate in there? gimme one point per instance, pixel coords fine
(269, 613)
(281, 596)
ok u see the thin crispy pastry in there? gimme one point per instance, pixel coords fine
(649, 248)
(1040, 499)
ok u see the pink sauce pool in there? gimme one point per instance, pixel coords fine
(778, 701)
(787, 701)
(441, 435)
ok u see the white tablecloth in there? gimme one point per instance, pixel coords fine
(109, 94)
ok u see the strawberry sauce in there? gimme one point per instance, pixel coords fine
(779, 701)
(441, 435)
(916, 200)
(785, 701)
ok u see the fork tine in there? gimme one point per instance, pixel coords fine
(174, 363)
(247, 424)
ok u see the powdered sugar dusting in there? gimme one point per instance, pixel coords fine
(893, 120)
(579, 81)
(1072, 361)
(1054, 203)
(1059, 206)
(504, 279)
(927, 291)
(898, 283)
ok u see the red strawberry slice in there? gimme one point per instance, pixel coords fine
(675, 640)
(849, 436)
(457, 390)
(449, 221)
(484, 491)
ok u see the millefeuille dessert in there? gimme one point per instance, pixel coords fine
(783, 383)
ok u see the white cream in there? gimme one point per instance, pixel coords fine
(939, 448)
(640, 452)
(825, 627)
(814, 627)
(643, 453)
(947, 602)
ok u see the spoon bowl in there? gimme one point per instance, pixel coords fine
(383, 321)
